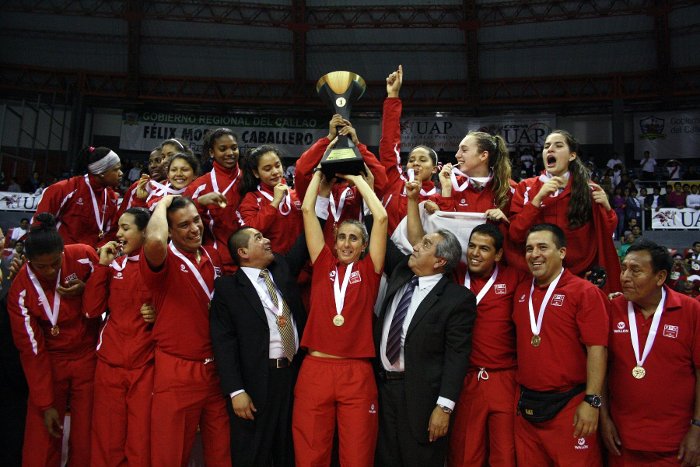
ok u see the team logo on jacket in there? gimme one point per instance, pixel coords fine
(670, 331)
(70, 277)
(557, 299)
(372, 408)
(297, 204)
(521, 299)
(119, 275)
(331, 276)
(79, 201)
(183, 268)
(581, 444)
(499, 289)
(355, 277)
(621, 328)
(462, 202)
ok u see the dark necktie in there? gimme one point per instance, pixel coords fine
(393, 341)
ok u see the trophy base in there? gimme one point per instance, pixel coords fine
(346, 161)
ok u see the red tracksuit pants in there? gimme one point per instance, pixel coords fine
(121, 416)
(327, 390)
(630, 458)
(482, 433)
(552, 443)
(72, 379)
(187, 393)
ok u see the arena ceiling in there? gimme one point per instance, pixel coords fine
(462, 56)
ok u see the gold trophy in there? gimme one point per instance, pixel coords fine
(340, 89)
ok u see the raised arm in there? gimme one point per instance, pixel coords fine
(414, 227)
(312, 226)
(377, 239)
(155, 247)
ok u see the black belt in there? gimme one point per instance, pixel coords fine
(391, 375)
(278, 363)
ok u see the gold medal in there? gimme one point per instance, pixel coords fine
(639, 372)
(55, 331)
(101, 235)
(281, 321)
(338, 320)
(536, 340)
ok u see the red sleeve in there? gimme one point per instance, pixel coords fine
(306, 163)
(96, 293)
(592, 316)
(444, 203)
(255, 215)
(29, 340)
(522, 216)
(54, 197)
(390, 144)
(380, 179)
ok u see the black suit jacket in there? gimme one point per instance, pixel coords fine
(239, 331)
(437, 343)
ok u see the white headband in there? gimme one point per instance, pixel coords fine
(104, 164)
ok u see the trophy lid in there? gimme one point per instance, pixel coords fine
(341, 81)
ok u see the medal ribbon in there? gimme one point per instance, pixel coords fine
(267, 299)
(338, 292)
(163, 190)
(120, 267)
(285, 206)
(337, 212)
(485, 289)
(546, 176)
(634, 336)
(99, 220)
(215, 184)
(195, 271)
(537, 326)
(51, 313)
(411, 177)
(476, 181)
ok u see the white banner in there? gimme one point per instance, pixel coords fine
(676, 219)
(11, 201)
(667, 135)
(521, 132)
(145, 130)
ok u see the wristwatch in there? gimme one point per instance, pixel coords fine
(445, 409)
(594, 399)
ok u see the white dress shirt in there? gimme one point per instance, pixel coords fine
(425, 285)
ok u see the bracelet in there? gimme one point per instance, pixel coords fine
(695, 421)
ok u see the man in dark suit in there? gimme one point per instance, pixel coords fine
(423, 340)
(256, 320)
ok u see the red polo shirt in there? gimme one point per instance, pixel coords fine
(653, 413)
(493, 338)
(182, 306)
(354, 338)
(575, 317)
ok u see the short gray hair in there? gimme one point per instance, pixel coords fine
(449, 249)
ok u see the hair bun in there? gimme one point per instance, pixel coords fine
(44, 221)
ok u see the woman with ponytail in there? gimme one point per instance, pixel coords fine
(85, 205)
(56, 343)
(422, 160)
(222, 188)
(481, 180)
(269, 205)
(564, 195)
(121, 417)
